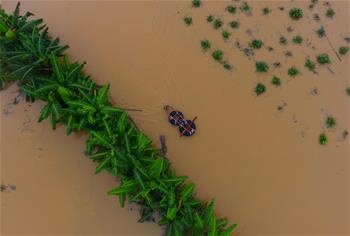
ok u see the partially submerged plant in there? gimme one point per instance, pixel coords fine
(256, 43)
(276, 81)
(260, 89)
(217, 55)
(225, 35)
(310, 65)
(231, 9)
(330, 13)
(196, 3)
(205, 44)
(283, 40)
(210, 18)
(217, 23)
(261, 66)
(295, 13)
(330, 122)
(321, 32)
(343, 50)
(323, 59)
(234, 24)
(323, 140)
(293, 71)
(188, 20)
(297, 39)
(265, 11)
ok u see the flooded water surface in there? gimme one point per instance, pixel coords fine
(258, 156)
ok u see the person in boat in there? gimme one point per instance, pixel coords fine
(186, 127)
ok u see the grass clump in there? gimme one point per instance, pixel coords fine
(310, 65)
(210, 18)
(205, 44)
(323, 140)
(256, 43)
(231, 9)
(283, 40)
(261, 66)
(293, 71)
(196, 3)
(188, 20)
(234, 24)
(330, 122)
(265, 11)
(321, 32)
(276, 81)
(323, 59)
(343, 50)
(298, 39)
(330, 13)
(225, 35)
(260, 89)
(217, 55)
(295, 13)
(217, 23)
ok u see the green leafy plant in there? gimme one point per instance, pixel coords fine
(293, 71)
(196, 3)
(323, 140)
(256, 43)
(227, 66)
(283, 40)
(295, 13)
(225, 34)
(343, 50)
(261, 66)
(42, 70)
(310, 65)
(217, 55)
(234, 24)
(245, 7)
(210, 18)
(205, 44)
(217, 23)
(188, 20)
(231, 9)
(330, 13)
(330, 122)
(276, 81)
(323, 59)
(265, 11)
(260, 89)
(297, 39)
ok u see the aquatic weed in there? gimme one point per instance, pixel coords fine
(210, 18)
(310, 65)
(234, 24)
(295, 13)
(343, 50)
(231, 9)
(283, 40)
(205, 44)
(323, 140)
(225, 35)
(196, 3)
(260, 89)
(276, 81)
(323, 59)
(261, 66)
(256, 43)
(330, 13)
(293, 71)
(330, 122)
(188, 20)
(217, 23)
(297, 39)
(217, 55)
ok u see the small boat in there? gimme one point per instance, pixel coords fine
(186, 127)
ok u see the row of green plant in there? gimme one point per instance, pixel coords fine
(37, 63)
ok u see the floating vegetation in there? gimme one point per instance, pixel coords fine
(225, 35)
(256, 43)
(343, 50)
(260, 89)
(321, 32)
(330, 13)
(276, 81)
(196, 3)
(288, 53)
(283, 40)
(297, 39)
(330, 122)
(293, 71)
(205, 44)
(348, 91)
(188, 20)
(231, 9)
(261, 66)
(323, 140)
(217, 23)
(310, 65)
(265, 11)
(210, 18)
(323, 59)
(217, 55)
(234, 24)
(227, 66)
(295, 13)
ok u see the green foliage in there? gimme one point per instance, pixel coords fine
(231, 9)
(260, 89)
(293, 71)
(283, 40)
(323, 59)
(276, 81)
(297, 39)
(347, 90)
(330, 13)
(205, 44)
(265, 11)
(42, 70)
(188, 20)
(227, 66)
(321, 32)
(256, 43)
(234, 24)
(330, 122)
(225, 34)
(196, 3)
(245, 7)
(261, 66)
(310, 65)
(295, 13)
(217, 23)
(323, 140)
(343, 50)
(217, 55)
(210, 18)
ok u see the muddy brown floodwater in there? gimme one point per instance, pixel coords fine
(263, 165)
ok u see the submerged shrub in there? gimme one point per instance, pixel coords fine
(323, 140)
(261, 66)
(205, 44)
(293, 71)
(256, 43)
(234, 24)
(276, 81)
(343, 50)
(296, 13)
(298, 39)
(260, 89)
(188, 20)
(217, 55)
(323, 59)
(310, 65)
